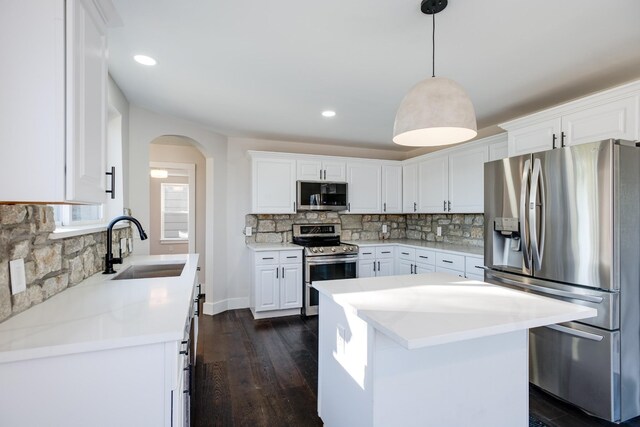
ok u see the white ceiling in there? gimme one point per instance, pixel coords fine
(267, 69)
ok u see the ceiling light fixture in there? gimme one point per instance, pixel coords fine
(437, 110)
(145, 60)
(159, 173)
(328, 113)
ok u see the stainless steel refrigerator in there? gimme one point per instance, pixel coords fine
(564, 223)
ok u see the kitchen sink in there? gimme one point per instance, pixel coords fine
(147, 271)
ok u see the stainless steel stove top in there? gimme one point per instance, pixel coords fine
(340, 249)
(321, 240)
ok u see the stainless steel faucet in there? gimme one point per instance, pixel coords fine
(109, 260)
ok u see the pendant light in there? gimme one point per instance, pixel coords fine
(437, 110)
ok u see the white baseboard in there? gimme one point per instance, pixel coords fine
(212, 308)
(275, 313)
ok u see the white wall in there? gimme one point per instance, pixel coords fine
(118, 101)
(145, 126)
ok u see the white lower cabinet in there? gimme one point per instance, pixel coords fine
(277, 281)
(473, 268)
(376, 261)
(415, 260)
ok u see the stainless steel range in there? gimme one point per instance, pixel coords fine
(325, 258)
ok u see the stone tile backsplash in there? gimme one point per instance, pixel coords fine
(463, 229)
(51, 265)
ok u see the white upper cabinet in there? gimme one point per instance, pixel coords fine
(273, 184)
(613, 113)
(410, 188)
(466, 180)
(364, 190)
(433, 184)
(314, 169)
(391, 189)
(618, 119)
(536, 137)
(53, 105)
(498, 147)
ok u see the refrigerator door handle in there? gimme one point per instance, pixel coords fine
(523, 214)
(576, 333)
(537, 185)
(545, 290)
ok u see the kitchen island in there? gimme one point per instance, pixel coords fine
(428, 350)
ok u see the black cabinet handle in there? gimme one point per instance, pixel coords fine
(404, 253)
(386, 252)
(378, 265)
(553, 141)
(415, 206)
(422, 256)
(277, 272)
(320, 173)
(349, 207)
(385, 206)
(113, 182)
(562, 136)
(283, 272)
(444, 205)
(447, 261)
(269, 257)
(325, 174)
(449, 203)
(374, 266)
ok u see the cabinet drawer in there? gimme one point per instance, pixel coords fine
(407, 253)
(425, 256)
(478, 277)
(290, 257)
(385, 252)
(473, 266)
(449, 271)
(267, 257)
(367, 253)
(450, 261)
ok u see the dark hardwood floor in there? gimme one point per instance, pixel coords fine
(265, 373)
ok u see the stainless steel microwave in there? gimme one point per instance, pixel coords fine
(321, 196)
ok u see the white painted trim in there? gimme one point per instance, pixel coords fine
(212, 308)
(582, 103)
(64, 232)
(191, 176)
(209, 227)
(275, 313)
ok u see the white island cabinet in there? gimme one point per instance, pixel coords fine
(428, 350)
(104, 353)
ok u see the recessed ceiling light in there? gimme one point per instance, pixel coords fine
(328, 113)
(144, 60)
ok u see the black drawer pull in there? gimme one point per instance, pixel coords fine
(404, 253)
(267, 258)
(447, 261)
(290, 257)
(366, 253)
(422, 256)
(386, 252)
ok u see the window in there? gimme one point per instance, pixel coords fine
(71, 215)
(174, 207)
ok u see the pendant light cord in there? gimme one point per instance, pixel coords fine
(433, 47)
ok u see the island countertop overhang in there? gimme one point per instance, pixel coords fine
(437, 308)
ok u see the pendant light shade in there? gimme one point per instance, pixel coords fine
(436, 111)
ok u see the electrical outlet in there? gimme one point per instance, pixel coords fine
(439, 231)
(248, 231)
(384, 228)
(18, 278)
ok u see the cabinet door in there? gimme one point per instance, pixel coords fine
(366, 268)
(273, 185)
(86, 103)
(384, 267)
(404, 267)
(267, 283)
(498, 150)
(466, 180)
(432, 185)
(291, 286)
(309, 170)
(410, 188)
(534, 138)
(618, 119)
(449, 271)
(391, 189)
(364, 187)
(424, 268)
(334, 171)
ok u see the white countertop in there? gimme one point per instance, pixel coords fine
(443, 247)
(259, 247)
(437, 308)
(100, 313)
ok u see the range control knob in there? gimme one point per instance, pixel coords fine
(344, 248)
(314, 250)
(333, 249)
(321, 250)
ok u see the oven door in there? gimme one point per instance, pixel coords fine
(325, 268)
